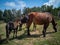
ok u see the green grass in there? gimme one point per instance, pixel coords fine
(35, 39)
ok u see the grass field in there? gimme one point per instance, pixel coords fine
(36, 37)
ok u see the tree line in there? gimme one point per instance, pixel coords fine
(8, 15)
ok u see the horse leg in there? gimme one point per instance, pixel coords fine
(20, 27)
(28, 31)
(7, 35)
(44, 29)
(34, 26)
(13, 33)
(28, 26)
(16, 31)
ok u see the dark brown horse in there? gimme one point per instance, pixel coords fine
(41, 18)
(23, 20)
(12, 25)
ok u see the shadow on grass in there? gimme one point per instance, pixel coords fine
(32, 36)
(24, 35)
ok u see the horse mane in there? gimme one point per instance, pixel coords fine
(32, 13)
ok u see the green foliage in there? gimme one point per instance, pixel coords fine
(26, 10)
(8, 15)
(18, 13)
(43, 8)
(1, 14)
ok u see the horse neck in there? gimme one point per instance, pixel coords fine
(31, 17)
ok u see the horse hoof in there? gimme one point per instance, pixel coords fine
(56, 31)
(44, 36)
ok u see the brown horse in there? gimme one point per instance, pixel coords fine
(12, 25)
(41, 18)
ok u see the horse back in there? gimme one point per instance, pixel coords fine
(40, 17)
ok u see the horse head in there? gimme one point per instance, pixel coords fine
(23, 20)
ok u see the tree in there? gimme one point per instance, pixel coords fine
(26, 10)
(43, 8)
(1, 14)
(14, 12)
(49, 8)
(7, 15)
(18, 13)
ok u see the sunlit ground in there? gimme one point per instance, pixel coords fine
(36, 37)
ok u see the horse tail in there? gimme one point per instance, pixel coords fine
(53, 22)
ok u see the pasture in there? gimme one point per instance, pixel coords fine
(36, 37)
